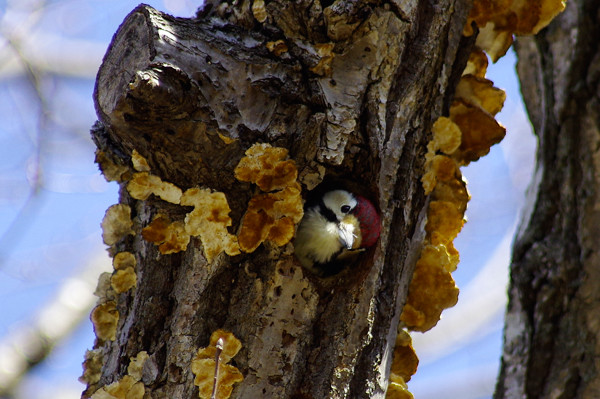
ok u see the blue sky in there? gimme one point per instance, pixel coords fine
(53, 198)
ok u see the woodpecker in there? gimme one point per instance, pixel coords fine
(334, 228)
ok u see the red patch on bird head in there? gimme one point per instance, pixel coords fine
(370, 222)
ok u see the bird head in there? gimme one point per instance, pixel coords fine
(334, 224)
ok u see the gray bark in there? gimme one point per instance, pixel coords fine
(169, 86)
(552, 332)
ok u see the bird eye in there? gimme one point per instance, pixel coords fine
(345, 208)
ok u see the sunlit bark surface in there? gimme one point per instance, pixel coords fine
(352, 94)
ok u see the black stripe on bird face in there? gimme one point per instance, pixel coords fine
(326, 212)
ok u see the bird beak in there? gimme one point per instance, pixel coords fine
(347, 235)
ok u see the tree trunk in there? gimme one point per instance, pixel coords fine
(552, 332)
(351, 90)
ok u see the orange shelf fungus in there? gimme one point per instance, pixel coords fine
(405, 361)
(479, 131)
(397, 389)
(271, 215)
(404, 366)
(204, 365)
(432, 290)
(267, 167)
(170, 237)
(499, 19)
(462, 137)
(480, 92)
(477, 64)
(446, 139)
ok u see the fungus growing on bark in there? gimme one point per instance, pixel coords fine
(277, 47)
(139, 162)
(123, 280)
(468, 134)
(397, 388)
(479, 131)
(170, 237)
(116, 224)
(431, 291)
(477, 64)
(325, 56)
(124, 260)
(92, 369)
(480, 92)
(204, 364)
(112, 170)
(405, 361)
(143, 184)
(209, 220)
(446, 139)
(105, 318)
(259, 11)
(128, 387)
(271, 215)
(499, 19)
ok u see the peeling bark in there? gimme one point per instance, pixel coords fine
(191, 95)
(552, 331)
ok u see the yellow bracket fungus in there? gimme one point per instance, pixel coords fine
(116, 224)
(143, 184)
(277, 47)
(124, 260)
(405, 361)
(204, 364)
(325, 54)
(272, 215)
(170, 237)
(209, 220)
(123, 280)
(499, 19)
(110, 169)
(92, 367)
(259, 11)
(477, 64)
(128, 387)
(397, 389)
(466, 135)
(105, 318)
(139, 162)
(404, 365)
(432, 290)
(446, 139)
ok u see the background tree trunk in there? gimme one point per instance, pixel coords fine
(352, 94)
(552, 332)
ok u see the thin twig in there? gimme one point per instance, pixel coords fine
(217, 359)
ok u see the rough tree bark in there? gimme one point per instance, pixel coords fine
(552, 332)
(352, 95)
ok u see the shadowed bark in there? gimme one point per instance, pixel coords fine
(552, 332)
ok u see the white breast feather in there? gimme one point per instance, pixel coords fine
(316, 236)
